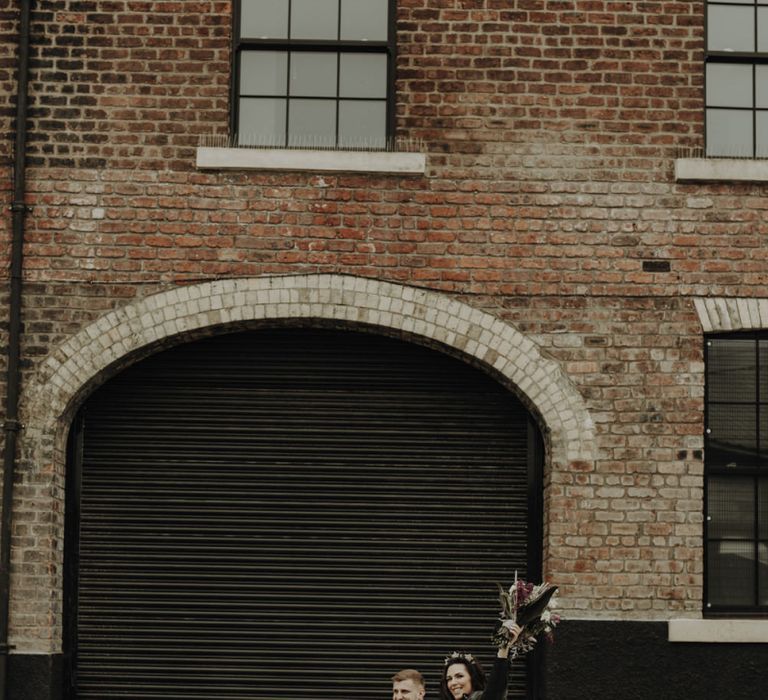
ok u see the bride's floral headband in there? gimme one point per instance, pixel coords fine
(459, 657)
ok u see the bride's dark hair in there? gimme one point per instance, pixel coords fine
(475, 670)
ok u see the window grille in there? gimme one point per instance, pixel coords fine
(736, 468)
(314, 73)
(737, 78)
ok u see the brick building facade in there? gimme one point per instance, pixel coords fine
(548, 240)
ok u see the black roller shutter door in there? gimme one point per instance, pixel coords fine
(291, 513)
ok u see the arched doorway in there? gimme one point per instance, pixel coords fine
(293, 513)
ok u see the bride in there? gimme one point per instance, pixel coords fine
(464, 679)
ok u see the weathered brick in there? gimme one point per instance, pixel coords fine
(550, 131)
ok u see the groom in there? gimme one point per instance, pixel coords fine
(408, 684)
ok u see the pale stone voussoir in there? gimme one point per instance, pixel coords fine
(754, 313)
(762, 308)
(742, 307)
(703, 314)
(470, 346)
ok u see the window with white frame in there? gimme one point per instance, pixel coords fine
(737, 78)
(736, 467)
(314, 73)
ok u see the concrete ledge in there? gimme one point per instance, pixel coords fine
(209, 158)
(729, 169)
(719, 631)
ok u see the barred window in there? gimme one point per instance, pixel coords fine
(737, 78)
(314, 73)
(736, 468)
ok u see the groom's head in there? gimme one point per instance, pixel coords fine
(408, 684)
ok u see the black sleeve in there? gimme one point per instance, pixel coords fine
(496, 689)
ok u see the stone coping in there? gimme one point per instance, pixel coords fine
(721, 169)
(719, 631)
(387, 162)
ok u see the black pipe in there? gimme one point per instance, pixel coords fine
(11, 425)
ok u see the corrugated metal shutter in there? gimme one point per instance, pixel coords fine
(293, 513)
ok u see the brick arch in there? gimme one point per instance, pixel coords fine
(492, 342)
(120, 336)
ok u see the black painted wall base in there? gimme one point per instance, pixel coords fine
(620, 660)
(588, 660)
(35, 677)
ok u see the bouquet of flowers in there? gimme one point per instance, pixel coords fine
(530, 607)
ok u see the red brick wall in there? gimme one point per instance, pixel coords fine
(125, 84)
(128, 84)
(550, 127)
(589, 72)
(524, 235)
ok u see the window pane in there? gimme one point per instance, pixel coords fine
(261, 122)
(315, 19)
(762, 29)
(732, 438)
(264, 19)
(312, 123)
(761, 132)
(731, 28)
(313, 74)
(763, 546)
(731, 371)
(263, 72)
(763, 510)
(762, 573)
(731, 508)
(363, 75)
(729, 133)
(363, 124)
(364, 20)
(763, 418)
(761, 86)
(731, 573)
(762, 349)
(729, 84)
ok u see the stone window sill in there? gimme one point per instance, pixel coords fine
(721, 169)
(211, 158)
(721, 631)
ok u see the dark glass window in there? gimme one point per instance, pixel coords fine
(314, 73)
(737, 474)
(737, 78)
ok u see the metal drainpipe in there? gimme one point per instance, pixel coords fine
(11, 426)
